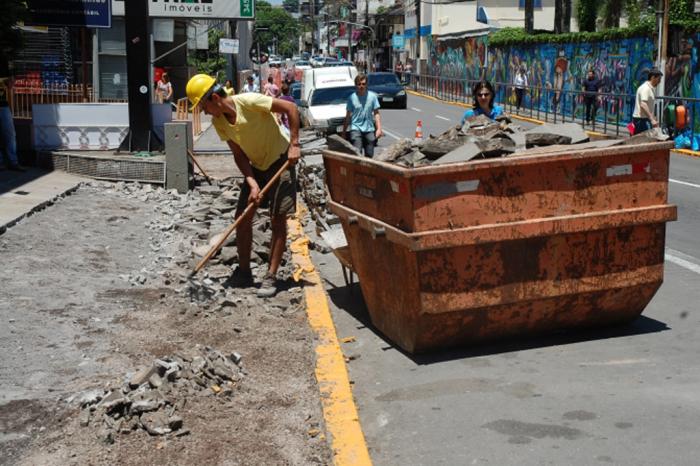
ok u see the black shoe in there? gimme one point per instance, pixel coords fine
(241, 278)
(16, 168)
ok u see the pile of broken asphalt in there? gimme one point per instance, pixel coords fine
(135, 364)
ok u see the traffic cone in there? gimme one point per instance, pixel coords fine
(419, 132)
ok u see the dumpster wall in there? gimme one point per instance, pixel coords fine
(501, 190)
(513, 255)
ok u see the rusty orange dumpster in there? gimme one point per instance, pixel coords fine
(461, 254)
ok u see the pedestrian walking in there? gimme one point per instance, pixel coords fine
(164, 89)
(8, 137)
(643, 115)
(362, 116)
(285, 96)
(271, 88)
(251, 85)
(228, 86)
(591, 85)
(520, 82)
(260, 148)
(484, 96)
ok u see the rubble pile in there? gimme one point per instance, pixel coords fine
(479, 138)
(312, 176)
(152, 398)
(188, 225)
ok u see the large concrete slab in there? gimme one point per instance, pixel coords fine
(22, 194)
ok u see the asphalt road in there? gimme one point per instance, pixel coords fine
(626, 395)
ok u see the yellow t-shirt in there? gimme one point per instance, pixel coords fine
(256, 130)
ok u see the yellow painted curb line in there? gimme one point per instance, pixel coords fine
(451, 102)
(339, 411)
(533, 120)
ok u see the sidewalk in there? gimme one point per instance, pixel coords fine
(22, 194)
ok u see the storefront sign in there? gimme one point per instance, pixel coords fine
(87, 13)
(228, 45)
(212, 9)
(397, 41)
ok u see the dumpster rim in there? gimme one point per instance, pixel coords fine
(513, 160)
(509, 231)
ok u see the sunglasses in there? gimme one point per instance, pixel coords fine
(362, 85)
(484, 95)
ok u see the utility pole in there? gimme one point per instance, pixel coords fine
(416, 69)
(313, 26)
(662, 53)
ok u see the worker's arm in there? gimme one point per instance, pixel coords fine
(346, 123)
(246, 169)
(377, 124)
(290, 109)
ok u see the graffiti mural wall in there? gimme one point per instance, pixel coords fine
(622, 65)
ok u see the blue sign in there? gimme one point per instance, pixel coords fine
(86, 13)
(397, 41)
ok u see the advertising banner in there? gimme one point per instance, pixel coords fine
(211, 9)
(87, 13)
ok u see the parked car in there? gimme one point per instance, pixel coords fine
(295, 92)
(388, 88)
(302, 65)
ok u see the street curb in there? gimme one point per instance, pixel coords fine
(539, 122)
(342, 420)
(39, 207)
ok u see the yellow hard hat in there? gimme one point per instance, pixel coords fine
(197, 86)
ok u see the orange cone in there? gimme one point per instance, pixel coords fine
(419, 132)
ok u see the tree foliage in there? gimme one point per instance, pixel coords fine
(209, 61)
(13, 12)
(291, 6)
(280, 25)
(586, 15)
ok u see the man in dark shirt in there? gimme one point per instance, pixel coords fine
(590, 87)
(8, 141)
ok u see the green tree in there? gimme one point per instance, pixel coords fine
(611, 12)
(280, 25)
(586, 15)
(291, 6)
(529, 16)
(209, 61)
(13, 12)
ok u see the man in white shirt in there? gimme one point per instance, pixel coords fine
(250, 85)
(643, 115)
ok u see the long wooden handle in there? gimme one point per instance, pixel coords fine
(194, 160)
(214, 249)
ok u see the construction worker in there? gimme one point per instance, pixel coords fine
(260, 148)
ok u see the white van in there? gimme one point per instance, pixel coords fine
(324, 95)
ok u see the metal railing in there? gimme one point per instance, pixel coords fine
(23, 97)
(612, 112)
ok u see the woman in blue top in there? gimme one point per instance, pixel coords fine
(483, 102)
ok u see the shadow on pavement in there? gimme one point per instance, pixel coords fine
(349, 299)
(12, 181)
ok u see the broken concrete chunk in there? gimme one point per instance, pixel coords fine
(561, 133)
(396, 150)
(155, 423)
(463, 153)
(338, 144)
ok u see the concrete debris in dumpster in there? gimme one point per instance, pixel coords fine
(481, 138)
(151, 398)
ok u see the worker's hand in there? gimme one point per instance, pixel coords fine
(378, 133)
(654, 124)
(254, 195)
(293, 153)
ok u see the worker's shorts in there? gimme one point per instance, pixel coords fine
(282, 196)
